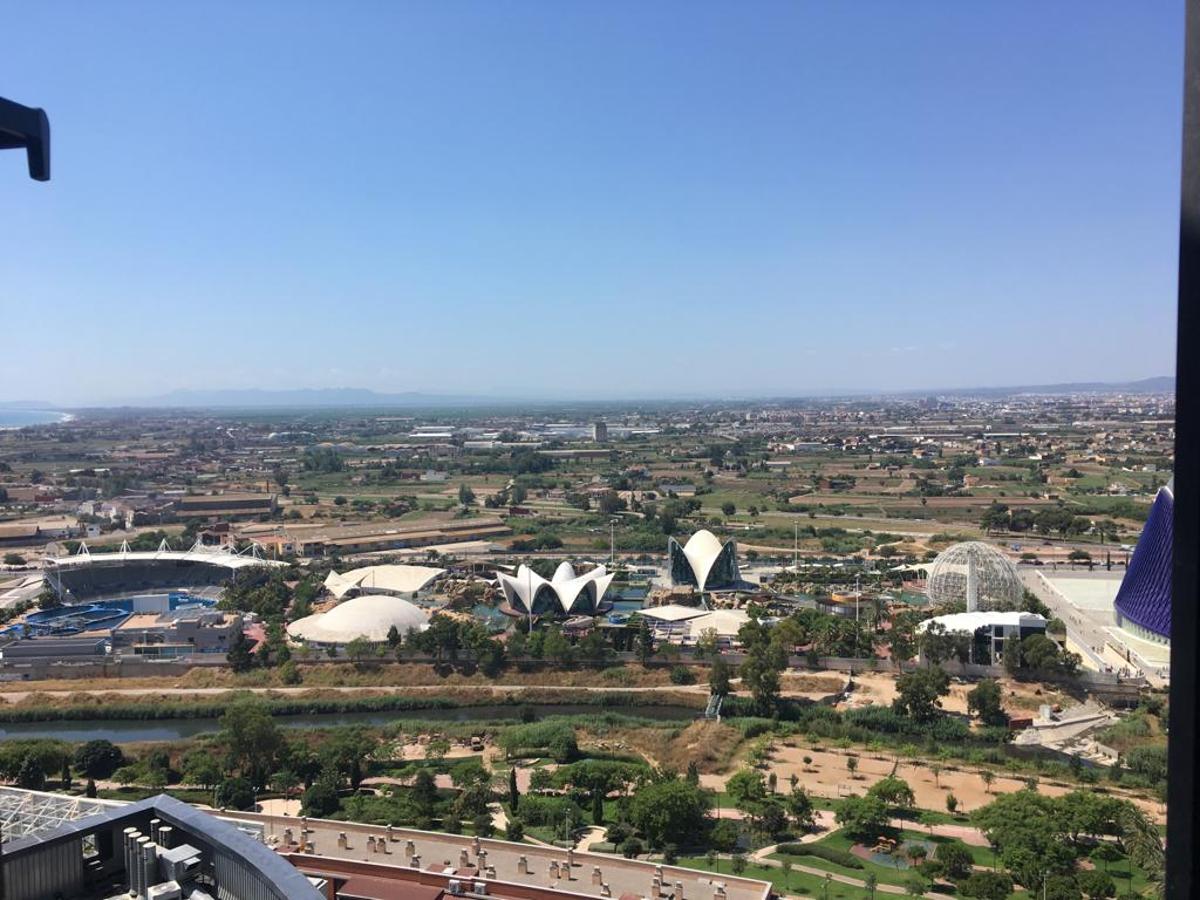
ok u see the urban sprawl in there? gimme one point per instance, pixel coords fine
(706, 651)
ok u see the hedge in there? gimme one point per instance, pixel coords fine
(830, 854)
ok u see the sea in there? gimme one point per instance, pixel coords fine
(20, 418)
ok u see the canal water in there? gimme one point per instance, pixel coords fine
(126, 731)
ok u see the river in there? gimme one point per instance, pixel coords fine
(122, 731)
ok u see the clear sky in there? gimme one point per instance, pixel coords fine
(590, 199)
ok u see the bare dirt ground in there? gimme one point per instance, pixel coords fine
(1018, 697)
(828, 775)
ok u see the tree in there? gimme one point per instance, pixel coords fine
(984, 701)
(862, 817)
(986, 886)
(870, 883)
(719, 678)
(893, 792)
(918, 693)
(201, 767)
(424, 793)
(951, 804)
(99, 758)
(31, 775)
(466, 496)
(514, 830)
(1096, 885)
(852, 765)
(360, 648)
(320, 800)
(738, 863)
(724, 835)
(800, 806)
(785, 866)
(514, 795)
(482, 825)
(728, 509)
(252, 738)
(955, 859)
(285, 781)
(394, 638)
(645, 643)
(235, 793)
(766, 658)
(988, 777)
(746, 789)
(239, 656)
(667, 808)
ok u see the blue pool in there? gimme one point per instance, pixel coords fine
(103, 614)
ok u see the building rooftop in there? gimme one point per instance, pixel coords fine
(439, 852)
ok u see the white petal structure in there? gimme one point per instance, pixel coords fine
(703, 562)
(528, 592)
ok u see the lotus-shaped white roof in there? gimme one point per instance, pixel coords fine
(521, 590)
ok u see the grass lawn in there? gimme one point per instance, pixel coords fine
(798, 883)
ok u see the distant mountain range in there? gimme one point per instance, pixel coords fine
(364, 398)
(1162, 384)
(305, 398)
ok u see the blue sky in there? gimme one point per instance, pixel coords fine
(590, 200)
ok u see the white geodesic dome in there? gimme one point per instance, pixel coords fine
(976, 574)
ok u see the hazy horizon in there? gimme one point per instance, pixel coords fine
(566, 201)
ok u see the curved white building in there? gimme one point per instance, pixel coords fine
(370, 616)
(409, 582)
(527, 592)
(703, 562)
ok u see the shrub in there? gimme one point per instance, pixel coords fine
(99, 758)
(820, 851)
(682, 675)
(632, 847)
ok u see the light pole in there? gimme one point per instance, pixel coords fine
(612, 542)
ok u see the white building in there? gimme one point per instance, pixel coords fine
(527, 592)
(989, 631)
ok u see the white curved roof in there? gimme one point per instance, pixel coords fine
(972, 621)
(370, 616)
(566, 585)
(702, 551)
(398, 579)
(219, 556)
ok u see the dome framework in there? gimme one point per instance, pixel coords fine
(975, 574)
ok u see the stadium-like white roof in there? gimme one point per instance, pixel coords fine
(371, 616)
(570, 591)
(217, 556)
(971, 622)
(393, 579)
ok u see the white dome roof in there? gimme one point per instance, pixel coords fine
(370, 616)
